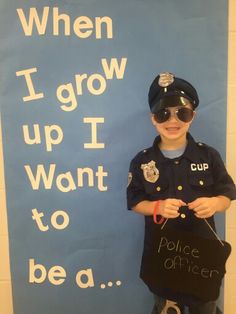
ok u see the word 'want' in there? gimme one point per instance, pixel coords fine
(65, 181)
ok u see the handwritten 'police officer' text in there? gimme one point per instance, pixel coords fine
(187, 258)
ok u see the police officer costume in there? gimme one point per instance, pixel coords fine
(198, 172)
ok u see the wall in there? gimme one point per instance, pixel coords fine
(5, 277)
(230, 282)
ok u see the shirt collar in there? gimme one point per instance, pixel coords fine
(191, 152)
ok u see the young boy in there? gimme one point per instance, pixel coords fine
(177, 173)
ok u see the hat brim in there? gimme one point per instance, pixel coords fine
(172, 100)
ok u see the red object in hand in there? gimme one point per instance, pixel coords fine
(155, 214)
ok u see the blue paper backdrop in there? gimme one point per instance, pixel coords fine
(86, 232)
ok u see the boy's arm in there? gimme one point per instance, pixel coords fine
(206, 207)
(224, 190)
(145, 208)
(168, 208)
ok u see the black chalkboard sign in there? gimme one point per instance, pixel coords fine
(184, 263)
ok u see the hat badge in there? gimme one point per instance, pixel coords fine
(166, 79)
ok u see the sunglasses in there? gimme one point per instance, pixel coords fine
(182, 114)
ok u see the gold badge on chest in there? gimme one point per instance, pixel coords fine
(150, 171)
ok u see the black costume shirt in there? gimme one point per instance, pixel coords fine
(199, 172)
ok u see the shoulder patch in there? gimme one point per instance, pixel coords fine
(130, 176)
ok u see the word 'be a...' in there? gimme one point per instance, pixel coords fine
(56, 275)
(67, 94)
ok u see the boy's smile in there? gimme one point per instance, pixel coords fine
(173, 131)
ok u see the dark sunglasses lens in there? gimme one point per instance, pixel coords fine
(162, 115)
(185, 114)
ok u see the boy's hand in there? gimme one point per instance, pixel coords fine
(204, 207)
(169, 208)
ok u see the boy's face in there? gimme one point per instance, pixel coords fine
(173, 128)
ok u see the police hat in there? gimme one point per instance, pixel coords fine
(169, 91)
